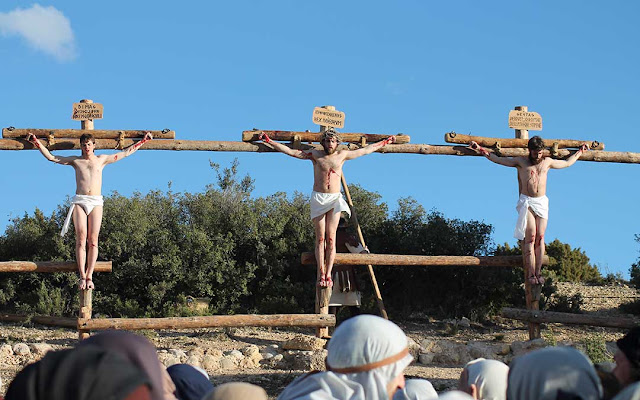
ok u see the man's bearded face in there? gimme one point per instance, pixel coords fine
(536, 156)
(329, 144)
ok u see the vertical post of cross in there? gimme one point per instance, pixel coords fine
(532, 292)
(323, 294)
(86, 307)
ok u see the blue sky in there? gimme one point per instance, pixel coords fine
(210, 70)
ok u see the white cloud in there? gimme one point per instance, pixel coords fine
(45, 29)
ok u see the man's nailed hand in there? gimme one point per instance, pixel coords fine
(474, 145)
(148, 136)
(584, 147)
(264, 137)
(31, 138)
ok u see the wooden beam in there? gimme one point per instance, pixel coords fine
(304, 320)
(571, 319)
(49, 266)
(309, 258)
(41, 319)
(209, 145)
(452, 137)
(285, 136)
(76, 133)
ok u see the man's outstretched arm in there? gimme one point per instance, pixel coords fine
(303, 155)
(31, 138)
(558, 164)
(350, 155)
(111, 158)
(506, 161)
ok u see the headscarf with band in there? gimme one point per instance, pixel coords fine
(366, 353)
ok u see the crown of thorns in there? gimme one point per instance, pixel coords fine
(331, 133)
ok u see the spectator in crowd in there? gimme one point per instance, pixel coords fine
(237, 391)
(416, 389)
(191, 383)
(142, 353)
(82, 373)
(627, 358)
(484, 379)
(553, 373)
(366, 359)
(631, 392)
(455, 395)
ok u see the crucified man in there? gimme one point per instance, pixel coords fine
(533, 204)
(327, 202)
(86, 205)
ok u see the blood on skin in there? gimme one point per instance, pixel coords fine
(329, 176)
(115, 158)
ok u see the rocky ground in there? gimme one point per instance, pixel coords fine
(272, 358)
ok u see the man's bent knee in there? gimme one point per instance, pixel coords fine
(539, 239)
(93, 243)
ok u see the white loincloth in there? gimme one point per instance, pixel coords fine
(539, 206)
(87, 202)
(321, 203)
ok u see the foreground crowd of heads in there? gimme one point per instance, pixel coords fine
(366, 359)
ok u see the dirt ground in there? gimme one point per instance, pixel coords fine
(598, 300)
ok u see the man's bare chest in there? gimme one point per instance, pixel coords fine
(327, 163)
(88, 167)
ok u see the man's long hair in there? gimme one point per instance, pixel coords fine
(536, 143)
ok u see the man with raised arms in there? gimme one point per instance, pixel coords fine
(533, 204)
(326, 200)
(86, 205)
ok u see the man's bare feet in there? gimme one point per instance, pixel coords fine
(329, 281)
(322, 282)
(90, 284)
(533, 280)
(540, 279)
(82, 284)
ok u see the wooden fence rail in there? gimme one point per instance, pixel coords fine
(537, 316)
(309, 258)
(274, 320)
(49, 266)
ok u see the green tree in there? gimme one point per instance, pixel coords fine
(565, 263)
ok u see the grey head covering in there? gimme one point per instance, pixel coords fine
(455, 395)
(489, 376)
(366, 353)
(554, 373)
(416, 389)
(631, 392)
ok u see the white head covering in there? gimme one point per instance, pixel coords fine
(366, 353)
(631, 392)
(455, 395)
(416, 389)
(489, 376)
(547, 374)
